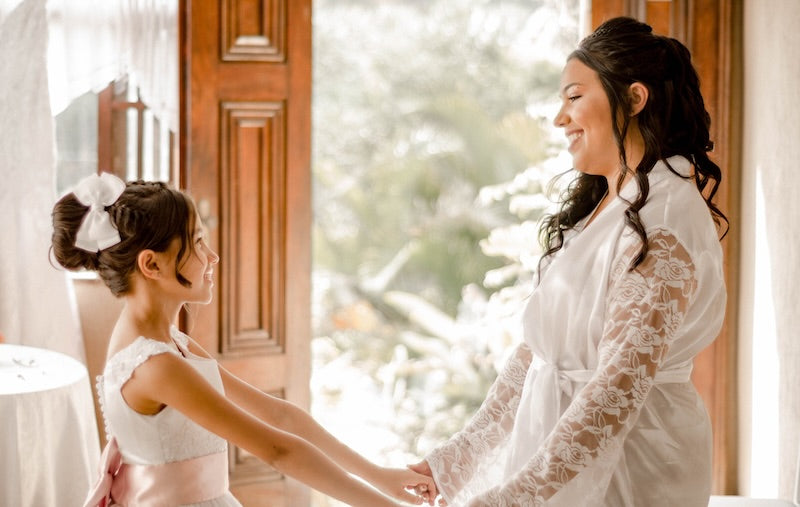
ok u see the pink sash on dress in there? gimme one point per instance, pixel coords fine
(179, 482)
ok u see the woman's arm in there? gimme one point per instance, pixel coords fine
(458, 461)
(167, 379)
(645, 309)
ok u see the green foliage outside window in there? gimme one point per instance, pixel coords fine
(432, 151)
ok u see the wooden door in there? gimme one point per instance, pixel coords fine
(711, 31)
(245, 158)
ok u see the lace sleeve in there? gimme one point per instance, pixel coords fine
(470, 454)
(645, 308)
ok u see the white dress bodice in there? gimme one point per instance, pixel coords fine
(168, 435)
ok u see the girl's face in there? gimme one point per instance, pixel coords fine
(197, 265)
(585, 116)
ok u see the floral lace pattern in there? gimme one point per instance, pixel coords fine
(646, 307)
(471, 453)
(121, 365)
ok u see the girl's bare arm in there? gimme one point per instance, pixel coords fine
(169, 380)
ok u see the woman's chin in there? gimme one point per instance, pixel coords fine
(590, 170)
(579, 164)
(581, 168)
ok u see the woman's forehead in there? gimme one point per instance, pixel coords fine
(576, 73)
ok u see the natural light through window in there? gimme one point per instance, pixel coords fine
(433, 147)
(764, 445)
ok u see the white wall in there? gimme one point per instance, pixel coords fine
(769, 316)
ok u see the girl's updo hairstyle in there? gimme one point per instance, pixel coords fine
(148, 215)
(674, 121)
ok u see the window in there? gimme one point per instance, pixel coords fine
(433, 146)
(113, 131)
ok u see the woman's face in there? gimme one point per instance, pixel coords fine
(585, 116)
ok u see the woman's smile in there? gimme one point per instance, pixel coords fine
(573, 137)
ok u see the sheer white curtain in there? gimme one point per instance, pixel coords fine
(36, 304)
(93, 42)
(52, 51)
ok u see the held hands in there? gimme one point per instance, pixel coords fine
(406, 485)
(428, 494)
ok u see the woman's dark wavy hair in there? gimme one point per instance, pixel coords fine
(148, 215)
(674, 121)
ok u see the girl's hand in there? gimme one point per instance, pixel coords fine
(400, 482)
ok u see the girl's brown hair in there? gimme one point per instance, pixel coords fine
(148, 215)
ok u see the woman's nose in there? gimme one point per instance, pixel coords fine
(560, 120)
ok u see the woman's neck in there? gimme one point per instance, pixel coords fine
(612, 185)
(634, 148)
(634, 152)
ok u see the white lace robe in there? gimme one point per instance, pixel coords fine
(595, 407)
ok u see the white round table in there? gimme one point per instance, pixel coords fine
(48, 433)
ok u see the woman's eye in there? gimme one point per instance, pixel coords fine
(573, 98)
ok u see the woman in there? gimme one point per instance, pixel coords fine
(596, 406)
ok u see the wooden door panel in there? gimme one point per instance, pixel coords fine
(253, 30)
(246, 147)
(252, 210)
(271, 81)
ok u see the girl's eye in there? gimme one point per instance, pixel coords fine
(573, 98)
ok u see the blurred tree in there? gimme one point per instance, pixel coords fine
(431, 151)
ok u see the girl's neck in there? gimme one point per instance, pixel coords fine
(148, 319)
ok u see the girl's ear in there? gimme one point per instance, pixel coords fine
(638, 94)
(149, 264)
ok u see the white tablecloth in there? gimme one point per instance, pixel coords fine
(48, 434)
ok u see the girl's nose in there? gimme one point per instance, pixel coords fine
(213, 258)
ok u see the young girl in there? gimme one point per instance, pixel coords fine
(169, 407)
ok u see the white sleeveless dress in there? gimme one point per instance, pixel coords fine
(167, 436)
(596, 406)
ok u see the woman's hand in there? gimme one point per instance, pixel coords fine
(428, 494)
(405, 484)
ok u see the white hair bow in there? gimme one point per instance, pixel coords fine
(98, 191)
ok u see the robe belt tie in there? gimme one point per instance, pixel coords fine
(552, 383)
(567, 378)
